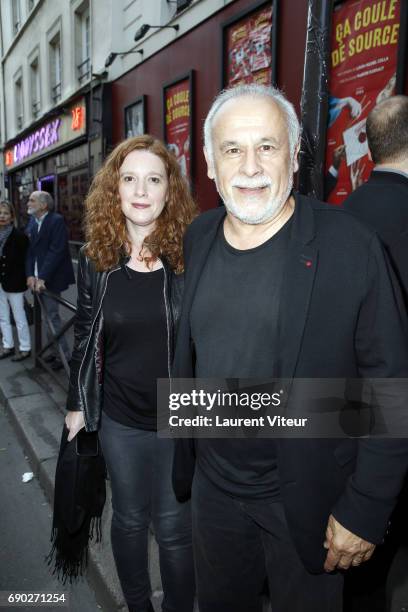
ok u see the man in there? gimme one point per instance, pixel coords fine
(280, 285)
(382, 202)
(48, 264)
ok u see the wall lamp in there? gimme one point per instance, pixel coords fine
(112, 56)
(143, 30)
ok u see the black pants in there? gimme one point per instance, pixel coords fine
(139, 465)
(237, 545)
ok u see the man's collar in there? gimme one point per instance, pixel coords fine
(41, 219)
(389, 169)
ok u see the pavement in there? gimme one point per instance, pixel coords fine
(35, 405)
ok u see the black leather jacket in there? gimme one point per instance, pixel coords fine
(85, 383)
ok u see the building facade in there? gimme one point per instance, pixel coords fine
(79, 76)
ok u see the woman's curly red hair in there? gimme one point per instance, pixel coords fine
(105, 225)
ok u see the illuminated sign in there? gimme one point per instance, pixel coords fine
(39, 140)
(8, 157)
(62, 130)
(78, 118)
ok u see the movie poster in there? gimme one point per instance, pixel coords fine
(363, 72)
(248, 45)
(177, 123)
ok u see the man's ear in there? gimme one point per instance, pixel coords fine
(369, 155)
(295, 158)
(210, 165)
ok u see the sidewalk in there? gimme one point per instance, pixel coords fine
(35, 405)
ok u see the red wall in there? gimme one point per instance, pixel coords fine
(201, 50)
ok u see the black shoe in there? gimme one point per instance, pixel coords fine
(6, 353)
(21, 356)
(57, 364)
(49, 358)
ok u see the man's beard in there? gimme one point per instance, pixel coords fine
(263, 212)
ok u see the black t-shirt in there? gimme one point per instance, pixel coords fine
(136, 351)
(234, 327)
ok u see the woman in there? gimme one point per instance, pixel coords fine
(13, 250)
(129, 291)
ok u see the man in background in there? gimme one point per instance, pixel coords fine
(48, 264)
(382, 202)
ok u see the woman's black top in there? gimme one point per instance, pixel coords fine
(136, 351)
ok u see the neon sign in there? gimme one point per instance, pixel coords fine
(37, 141)
(77, 122)
(9, 157)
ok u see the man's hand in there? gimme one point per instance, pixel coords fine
(344, 548)
(39, 285)
(31, 282)
(74, 422)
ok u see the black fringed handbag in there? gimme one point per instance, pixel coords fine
(79, 498)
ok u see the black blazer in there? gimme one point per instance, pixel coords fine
(50, 248)
(382, 203)
(12, 263)
(339, 319)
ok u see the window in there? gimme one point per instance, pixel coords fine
(55, 67)
(16, 15)
(35, 88)
(83, 42)
(18, 89)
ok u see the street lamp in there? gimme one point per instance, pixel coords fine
(112, 56)
(143, 30)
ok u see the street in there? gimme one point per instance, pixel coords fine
(25, 524)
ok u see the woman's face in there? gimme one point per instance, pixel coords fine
(143, 186)
(5, 216)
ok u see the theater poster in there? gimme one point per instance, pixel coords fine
(177, 105)
(247, 48)
(364, 50)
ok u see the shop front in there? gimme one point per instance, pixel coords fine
(53, 158)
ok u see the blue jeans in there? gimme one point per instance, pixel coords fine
(238, 545)
(139, 465)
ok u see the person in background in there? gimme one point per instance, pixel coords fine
(382, 202)
(129, 299)
(48, 264)
(13, 250)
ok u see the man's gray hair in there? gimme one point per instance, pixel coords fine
(46, 198)
(257, 91)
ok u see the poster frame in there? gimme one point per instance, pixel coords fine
(274, 36)
(139, 100)
(402, 55)
(187, 76)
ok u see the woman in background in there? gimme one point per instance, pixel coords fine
(13, 250)
(129, 298)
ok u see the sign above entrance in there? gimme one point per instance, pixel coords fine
(68, 126)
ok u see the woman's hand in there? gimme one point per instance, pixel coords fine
(74, 422)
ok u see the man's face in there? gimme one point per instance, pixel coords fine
(252, 166)
(34, 206)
